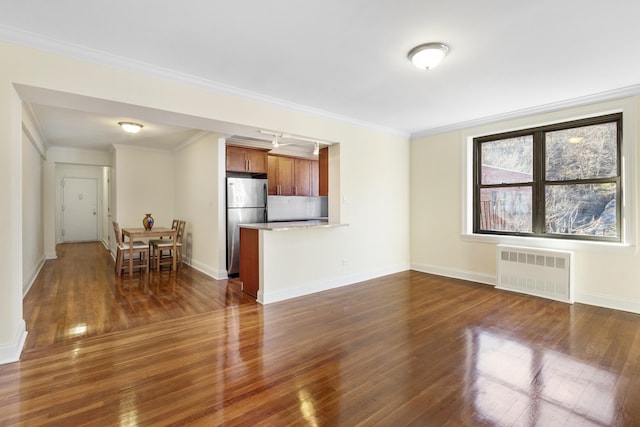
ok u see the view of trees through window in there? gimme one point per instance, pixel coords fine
(557, 180)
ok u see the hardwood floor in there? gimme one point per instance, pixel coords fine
(78, 295)
(405, 349)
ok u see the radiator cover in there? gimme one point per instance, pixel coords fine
(540, 272)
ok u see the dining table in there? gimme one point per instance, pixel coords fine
(153, 233)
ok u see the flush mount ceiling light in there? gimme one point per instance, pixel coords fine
(428, 55)
(130, 127)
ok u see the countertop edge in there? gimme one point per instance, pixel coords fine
(294, 225)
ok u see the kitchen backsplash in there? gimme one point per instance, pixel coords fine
(295, 208)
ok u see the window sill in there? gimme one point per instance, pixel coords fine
(559, 244)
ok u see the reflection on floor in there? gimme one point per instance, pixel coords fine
(538, 384)
(79, 295)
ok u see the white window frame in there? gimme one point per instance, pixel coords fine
(628, 242)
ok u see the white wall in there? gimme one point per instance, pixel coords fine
(32, 212)
(371, 176)
(436, 212)
(12, 325)
(197, 202)
(605, 275)
(145, 184)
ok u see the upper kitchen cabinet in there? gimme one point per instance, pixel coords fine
(290, 176)
(242, 159)
(281, 176)
(305, 177)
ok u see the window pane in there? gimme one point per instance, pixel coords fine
(581, 209)
(582, 153)
(505, 209)
(507, 161)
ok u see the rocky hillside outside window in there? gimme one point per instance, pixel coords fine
(561, 180)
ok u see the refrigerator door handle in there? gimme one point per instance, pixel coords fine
(264, 191)
(266, 199)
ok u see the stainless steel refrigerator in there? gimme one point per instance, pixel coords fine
(246, 204)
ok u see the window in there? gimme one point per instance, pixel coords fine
(561, 180)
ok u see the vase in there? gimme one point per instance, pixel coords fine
(147, 221)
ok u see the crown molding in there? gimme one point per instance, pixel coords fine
(37, 41)
(546, 108)
(195, 138)
(58, 47)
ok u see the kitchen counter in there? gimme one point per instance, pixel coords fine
(291, 225)
(251, 236)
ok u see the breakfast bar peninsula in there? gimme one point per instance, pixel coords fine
(286, 241)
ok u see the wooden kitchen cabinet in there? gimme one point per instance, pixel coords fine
(241, 159)
(250, 261)
(315, 178)
(280, 176)
(323, 172)
(290, 176)
(305, 177)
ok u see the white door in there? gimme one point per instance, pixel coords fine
(79, 209)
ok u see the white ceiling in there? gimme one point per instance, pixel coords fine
(346, 59)
(80, 129)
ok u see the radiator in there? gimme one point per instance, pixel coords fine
(539, 272)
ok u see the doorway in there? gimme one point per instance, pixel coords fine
(79, 209)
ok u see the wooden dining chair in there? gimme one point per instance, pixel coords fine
(158, 247)
(140, 251)
(160, 241)
(174, 226)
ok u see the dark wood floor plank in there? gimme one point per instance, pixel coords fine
(405, 349)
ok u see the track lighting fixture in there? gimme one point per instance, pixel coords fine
(275, 142)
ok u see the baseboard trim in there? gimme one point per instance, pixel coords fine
(11, 353)
(471, 276)
(606, 301)
(314, 287)
(209, 271)
(202, 268)
(598, 300)
(51, 255)
(26, 285)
